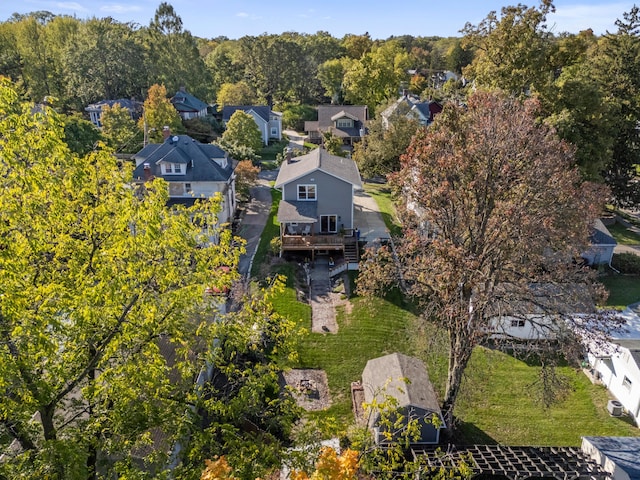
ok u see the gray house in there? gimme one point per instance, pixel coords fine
(192, 170)
(316, 210)
(95, 109)
(347, 122)
(404, 379)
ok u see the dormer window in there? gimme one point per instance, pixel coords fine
(344, 123)
(173, 168)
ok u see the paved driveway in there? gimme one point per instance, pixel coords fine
(367, 218)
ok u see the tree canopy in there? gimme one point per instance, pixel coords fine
(489, 198)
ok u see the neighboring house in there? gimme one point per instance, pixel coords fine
(316, 210)
(616, 363)
(188, 106)
(602, 245)
(619, 456)
(269, 122)
(192, 169)
(540, 313)
(412, 107)
(348, 122)
(404, 379)
(95, 109)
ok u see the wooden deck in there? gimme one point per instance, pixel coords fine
(313, 242)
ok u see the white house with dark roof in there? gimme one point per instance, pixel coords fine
(317, 207)
(95, 109)
(405, 379)
(191, 169)
(269, 122)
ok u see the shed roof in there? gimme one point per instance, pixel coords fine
(319, 159)
(623, 451)
(401, 377)
(294, 211)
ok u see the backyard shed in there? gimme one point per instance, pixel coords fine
(404, 379)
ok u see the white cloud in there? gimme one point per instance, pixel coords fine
(119, 8)
(242, 14)
(73, 6)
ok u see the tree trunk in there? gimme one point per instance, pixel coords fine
(460, 350)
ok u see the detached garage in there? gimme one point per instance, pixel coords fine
(404, 379)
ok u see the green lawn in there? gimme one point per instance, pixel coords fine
(623, 290)
(381, 193)
(500, 403)
(270, 151)
(623, 235)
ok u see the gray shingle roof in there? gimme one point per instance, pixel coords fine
(198, 157)
(183, 101)
(386, 375)
(294, 211)
(623, 451)
(600, 235)
(263, 111)
(319, 159)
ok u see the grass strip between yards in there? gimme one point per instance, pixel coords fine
(623, 235)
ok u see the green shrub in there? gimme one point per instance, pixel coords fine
(626, 263)
(274, 246)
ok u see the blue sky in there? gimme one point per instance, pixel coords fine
(381, 18)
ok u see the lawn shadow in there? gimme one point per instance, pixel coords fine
(466, 433)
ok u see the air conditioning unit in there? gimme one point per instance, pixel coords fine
(615, 408)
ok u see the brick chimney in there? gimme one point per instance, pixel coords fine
(166, 132)
(147, 171)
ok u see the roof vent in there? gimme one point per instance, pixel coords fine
(175, 139)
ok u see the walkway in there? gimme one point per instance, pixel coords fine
(367, 218)
(255, 218)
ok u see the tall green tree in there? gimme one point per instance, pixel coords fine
(511, 51)
(80, 135)
(242, 131)
(175, 59)
(331, 75)
(235, 94)
(159, 112)
(378, 76)
(379, 153)
(100, 282)
(475, 189)
(617, 66)
(106, 62)
(119, 130)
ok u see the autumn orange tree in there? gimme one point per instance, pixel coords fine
(488, 198)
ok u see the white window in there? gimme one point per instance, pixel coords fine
(167, 168)
(187, 188)
(177, 168)
(626, 383)
(328, 223)
(517, 322)
(344, 123)
(306, 192)
(274, 132)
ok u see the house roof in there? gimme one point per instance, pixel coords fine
(319, 159)
(600, 235)
(388, 375)
(328, 114)
(262, 111)
(622, 451)
(294, 211)
(200, 159)
(129, 104)
(183, 101)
